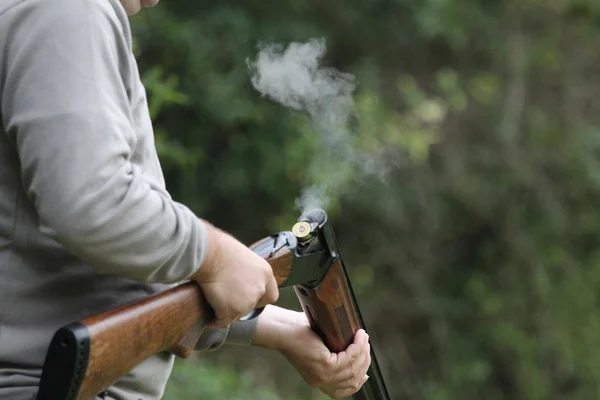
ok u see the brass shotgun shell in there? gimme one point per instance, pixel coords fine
(302, 230)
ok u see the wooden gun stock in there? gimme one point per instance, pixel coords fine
(86, 357)
(122, 338)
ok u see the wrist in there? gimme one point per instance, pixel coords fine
(212, 253)
(278, 327)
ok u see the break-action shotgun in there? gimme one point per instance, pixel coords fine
(84, 358)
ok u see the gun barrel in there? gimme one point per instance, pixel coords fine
(333, 312)
(374, 388)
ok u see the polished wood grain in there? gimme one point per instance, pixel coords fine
(281, 261)
(172, 321)
(124, 337)
(330, 309)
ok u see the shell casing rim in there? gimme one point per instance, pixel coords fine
(302, 230)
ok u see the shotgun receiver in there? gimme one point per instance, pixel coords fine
(86, 357)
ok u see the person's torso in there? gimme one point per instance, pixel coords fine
(42, 285)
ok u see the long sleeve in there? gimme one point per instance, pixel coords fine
(66, 108)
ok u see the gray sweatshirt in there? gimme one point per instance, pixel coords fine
(86, 223)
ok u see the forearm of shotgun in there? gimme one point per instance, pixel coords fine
(333, 313)
(330, 308)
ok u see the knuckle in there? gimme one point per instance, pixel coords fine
(329, 363)
(261, 291)
(266, 268)
(355, 366)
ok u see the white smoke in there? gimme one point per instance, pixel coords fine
(294, 77)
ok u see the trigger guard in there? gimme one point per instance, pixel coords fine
(252, 314)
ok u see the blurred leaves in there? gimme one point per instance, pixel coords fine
(193, 380)
(476, 259)
(162, 90)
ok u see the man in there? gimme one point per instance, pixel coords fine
(85, 221)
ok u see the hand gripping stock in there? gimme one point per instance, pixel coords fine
(86, 357)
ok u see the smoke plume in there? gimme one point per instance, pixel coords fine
(295, 78)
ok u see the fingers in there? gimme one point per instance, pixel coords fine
(348, 357)
(219, 324)
(351, 369)
(366, 362)
(234, 279)
(341, 393)
(351, 377)
(229, 316)
(271, 293)
(224, 322)
(272, 290)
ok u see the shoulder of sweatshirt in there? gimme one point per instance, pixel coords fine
(20, 19)
(22, 9)
(66, 103)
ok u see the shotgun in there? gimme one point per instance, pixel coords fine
(84, 358)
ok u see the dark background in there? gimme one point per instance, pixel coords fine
(477, 262)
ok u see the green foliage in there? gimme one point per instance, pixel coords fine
(192, 380)
(476, 260)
